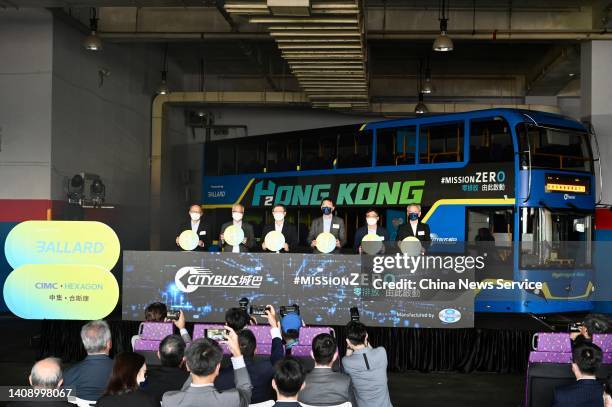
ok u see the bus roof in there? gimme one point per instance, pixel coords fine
(512, 115)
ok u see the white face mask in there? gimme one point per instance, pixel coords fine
(371, 221)
(278, 216)
(195, 215)
(237, 216)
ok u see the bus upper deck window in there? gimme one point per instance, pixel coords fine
(440, 143)
(355, 149)
(490, 141)
(396, 145)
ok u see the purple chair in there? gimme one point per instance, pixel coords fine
(307, 334)
(604, 341)
(199, 331)
(150, 335)
(263, 338)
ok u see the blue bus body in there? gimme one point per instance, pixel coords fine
(527, 195)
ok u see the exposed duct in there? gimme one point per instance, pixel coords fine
(323, 42)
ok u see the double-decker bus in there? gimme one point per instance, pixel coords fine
(523, 178)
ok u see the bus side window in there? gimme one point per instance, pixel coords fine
(319, 151)
(355, 149)
(441, 143)
(490, 141)
(396, 145)
(226, 158)
(283, 154)
(250, 155)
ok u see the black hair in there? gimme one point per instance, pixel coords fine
(323, 348)
(372, 210)
(203, 356)
(329, 200)
(595, 324)
(289, 376)
(236, 318)
(279, 205)
(247, 343)
(172, 350)
(587, 356)
(356, 332)
(156, 312)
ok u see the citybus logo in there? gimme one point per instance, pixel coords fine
(267, 193)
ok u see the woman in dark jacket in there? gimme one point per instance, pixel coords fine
(123, 389)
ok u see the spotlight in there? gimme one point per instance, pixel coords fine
(76, 189)
(421, 107)
(443, 43)
(92, 42)
(163, 87)
(98, 192)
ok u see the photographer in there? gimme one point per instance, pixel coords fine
(592, 324)
(261, 371)
(290, 323)
(367, 367)
(158, 312)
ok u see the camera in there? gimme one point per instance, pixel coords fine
(289, 309)
(219, 334)
(259, 310)
(173, 315)
(354, 314)
(243, 303)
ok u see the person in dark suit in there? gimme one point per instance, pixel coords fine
(324, 387)
(371, 226)
(90, 376)
(171, 375)
(123, 390)
(249, 235)
(327, 223)
(45, 374)
(260, 372)
(288, 380)
(199, 226)
(414, 227)
(608, 392)
(587, 391)
(281, 225)
(592, 324)
(203, 360)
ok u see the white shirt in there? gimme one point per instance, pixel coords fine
(413, 225)
(327, 221)
(195, 226)
(277, 227)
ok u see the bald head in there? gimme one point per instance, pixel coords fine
(47, 374)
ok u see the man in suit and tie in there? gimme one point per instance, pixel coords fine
(328, 222)
(203, 362)
(324, 387)
(281, 225)
(414, 227)
(586, 391)
(367, 367)
(261, 372)
(248, 242)
(197, 225)
(288, 381)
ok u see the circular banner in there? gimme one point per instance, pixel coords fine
(188, 240)
(274, 240)
(326, 242)
(411, 246)
(233, 235)
(371, 243)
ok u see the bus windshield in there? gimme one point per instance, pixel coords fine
(555, 238)
(547, 147)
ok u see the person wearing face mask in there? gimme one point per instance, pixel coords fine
(414, 227)
(371, 227)
(327, 223)
(281, 225)
(249, 235)
(198, 225)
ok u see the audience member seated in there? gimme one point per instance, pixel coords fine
(129, 371)
(290, 325)
(587, 391)
(158, 312)
(90, 376)
(287, 382)
(324, 387)
(592, 324)
(260, 372)
(171, 375)
(608, 392)
(45, 374)
(237, 318)
(203, 360)
(367, 368)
